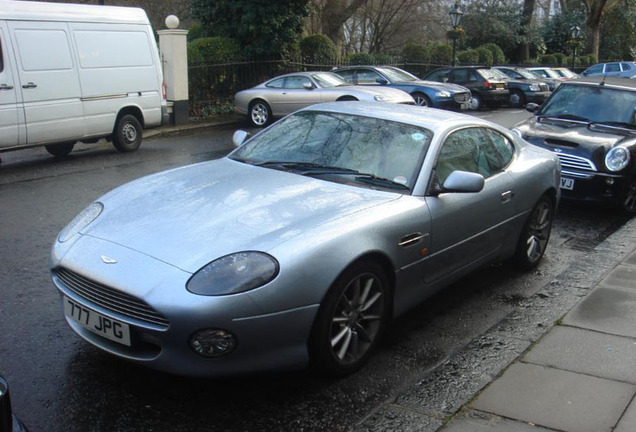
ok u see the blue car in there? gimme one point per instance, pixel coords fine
(425, 93)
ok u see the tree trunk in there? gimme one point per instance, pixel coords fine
(526, 20)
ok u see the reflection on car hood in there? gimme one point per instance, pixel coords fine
(438, 85)
(574, 138)
(372, 91)
(189, 216)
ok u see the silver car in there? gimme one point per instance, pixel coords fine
(302, 244)
(287, 93)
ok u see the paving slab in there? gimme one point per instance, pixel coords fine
(631, 259)
(556, 399)
(608, 310)
(476, 421)
(628, 422)
(623, 276)
(588, 352)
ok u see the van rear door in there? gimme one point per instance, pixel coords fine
(48, 81)
(11, 128)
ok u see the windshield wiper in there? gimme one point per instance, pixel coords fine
(614, 124)
(380, 181)
(565, 117)
(306, 168)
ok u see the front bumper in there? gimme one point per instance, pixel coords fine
(265, 341)
(537, 97)
(596, 187)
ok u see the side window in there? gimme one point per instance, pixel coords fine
(440, 75)
(477, 150)
(612, 67)
(472, 76)
(296, 82)
(1, 56)
(596, 69)
(347, 75)
(460, 75)
(278, 83)
(366, 76)
(626, 66)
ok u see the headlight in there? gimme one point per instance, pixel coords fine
(617, 158)
(442, 94)
(535, 87)
(235, 273)
(81, 221)
(380, 98)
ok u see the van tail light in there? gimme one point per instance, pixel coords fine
(163, 90)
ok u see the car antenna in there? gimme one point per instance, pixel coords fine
(602, 83)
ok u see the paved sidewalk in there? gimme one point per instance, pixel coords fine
(575, 374)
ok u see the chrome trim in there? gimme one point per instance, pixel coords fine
(102, 97)
(575, 162)
(411, 239)
(109, 298)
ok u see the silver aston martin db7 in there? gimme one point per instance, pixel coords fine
(287, 93)
(302, 244)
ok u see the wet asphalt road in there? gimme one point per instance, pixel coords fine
(60, 383)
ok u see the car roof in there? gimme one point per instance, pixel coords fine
(613, 82)
(429, 118)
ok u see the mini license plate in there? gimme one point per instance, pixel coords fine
(97, 323)
(567, 183)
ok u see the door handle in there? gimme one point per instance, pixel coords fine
(29, 85)
(507, 196)
(6, 87)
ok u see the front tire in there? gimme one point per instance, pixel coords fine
(260, 114)
(476, 103)
(351, 320)
(516, 99)
(628, 200)
(421, 99)
(60, 150)
(128, 134)
(534, 237)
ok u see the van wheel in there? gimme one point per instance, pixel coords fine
(60, 150)
(128, 134)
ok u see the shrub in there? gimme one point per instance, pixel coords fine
(485, 56)
(441, 53)
(194, 55)
(217, 49)
(318, 49)
(361, 59)
(562, 59)
(548, 59)
(415, 52)
(468, 57)
(498, 57)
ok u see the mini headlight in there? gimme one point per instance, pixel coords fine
(443, 94)
(235, 273)
(617, 158)
(379, 98)
(81, 221)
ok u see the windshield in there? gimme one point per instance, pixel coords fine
(380, 148)
(595, 104)
(527, 74)
(397, 75)
(492, 74)
(328, 79)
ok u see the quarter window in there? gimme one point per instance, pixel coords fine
(279, 83)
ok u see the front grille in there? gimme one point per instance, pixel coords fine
(109, 298)
(462, 97)
(576, 162)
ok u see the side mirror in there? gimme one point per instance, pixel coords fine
(239, 137)
(308, 86)
(381, 81)
(532, 107)
(463, 181)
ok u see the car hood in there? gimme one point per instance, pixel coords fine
(591, 142)
(192, 215)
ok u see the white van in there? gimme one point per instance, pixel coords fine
(71, 72)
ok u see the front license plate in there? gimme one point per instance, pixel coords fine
(567, 183)
(97, 323)
(465, 105)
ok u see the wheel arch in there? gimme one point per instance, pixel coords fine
(132, 110)
(347, 98)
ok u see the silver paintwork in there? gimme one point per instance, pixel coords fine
(163, 228)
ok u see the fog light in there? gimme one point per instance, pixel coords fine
(213, 342)
(609, 181)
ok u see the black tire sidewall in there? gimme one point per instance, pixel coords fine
(521, 255)
(120, 141)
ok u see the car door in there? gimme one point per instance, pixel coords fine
(294, 96)
(612, 69)
(49, 83)
(469, 228)
(12, 131)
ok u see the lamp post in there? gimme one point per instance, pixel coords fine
(455, 14)
(575, 33)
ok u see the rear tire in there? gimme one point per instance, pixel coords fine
(60, 150)
(128, 134)
(351, 319)
(535, 234)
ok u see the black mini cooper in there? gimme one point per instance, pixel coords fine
(590, 124)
